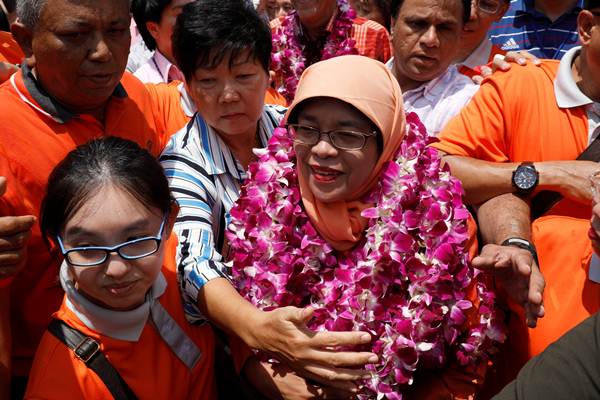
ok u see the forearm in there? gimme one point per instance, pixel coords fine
(481, 180)
(225, 307)
(5, 344)
(503, 217)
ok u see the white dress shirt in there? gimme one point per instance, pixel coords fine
(158, 70)
(440, 99)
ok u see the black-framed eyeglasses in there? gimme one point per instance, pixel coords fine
(89, 256)
(341, 139)
(489, 6)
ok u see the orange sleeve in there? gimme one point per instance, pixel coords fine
(272, 96)
(479, 131)
(9, 49)
(167, 109)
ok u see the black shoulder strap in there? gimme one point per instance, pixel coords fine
(542, 202)
(88, 351)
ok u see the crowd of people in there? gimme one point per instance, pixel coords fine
(297, 199)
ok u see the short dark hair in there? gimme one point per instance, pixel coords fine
(89, 167)
(10, 5)
(208, 31)
(148, 11)
(384, 9)
(396, 4)
(591, 4)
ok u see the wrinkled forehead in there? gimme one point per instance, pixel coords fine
(435, 11)
(82, 13)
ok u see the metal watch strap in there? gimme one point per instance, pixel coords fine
(88, 350)
(523, 244)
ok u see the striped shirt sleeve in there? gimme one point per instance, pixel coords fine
(205, 179)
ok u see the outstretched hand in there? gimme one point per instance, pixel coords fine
(283, 334)
(518, 274)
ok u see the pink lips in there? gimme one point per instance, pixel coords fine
(121, 289)
(324, 174)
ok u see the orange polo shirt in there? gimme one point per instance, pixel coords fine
(36, 135)
(149, 366)
(10, 51)
(501, 124)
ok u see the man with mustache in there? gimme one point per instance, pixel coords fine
(425, 34)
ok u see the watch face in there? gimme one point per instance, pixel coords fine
(525, 178)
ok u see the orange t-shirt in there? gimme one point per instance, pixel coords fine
(10, 51)
(34, 140)
(149, 366)
(501, 124)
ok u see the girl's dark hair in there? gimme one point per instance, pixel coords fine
(209, 31)
(100, 162)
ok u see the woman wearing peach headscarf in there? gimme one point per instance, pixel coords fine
(349, 212)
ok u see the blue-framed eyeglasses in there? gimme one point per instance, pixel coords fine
(90, 256)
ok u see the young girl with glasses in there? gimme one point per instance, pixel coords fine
(109, 211)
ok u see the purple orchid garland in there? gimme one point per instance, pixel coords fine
(406, 282)
(287, 58)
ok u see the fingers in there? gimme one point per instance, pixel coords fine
(486, 71)
(336, 358)
(14, 242)
(342, 378)
(499, 63)
(2, 185)
(10, 226)
(328, 339)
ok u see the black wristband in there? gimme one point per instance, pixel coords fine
(523, 244)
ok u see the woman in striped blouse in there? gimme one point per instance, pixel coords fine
(223, 49)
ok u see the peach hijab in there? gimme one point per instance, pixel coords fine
(371, 88)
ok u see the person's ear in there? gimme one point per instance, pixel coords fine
(585, 25)
(24, 37)
(154, 29)
(503, 10)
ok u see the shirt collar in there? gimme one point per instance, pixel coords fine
(568, 94)
(187, 104)
(49, 104)
(480, 56)
(219, 152)
(120, 325)
(162, 64)
(433, 87)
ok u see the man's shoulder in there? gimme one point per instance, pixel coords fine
(521, 77)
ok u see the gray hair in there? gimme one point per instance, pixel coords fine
(29, 11)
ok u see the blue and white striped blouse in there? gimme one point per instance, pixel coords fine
(205, 179)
